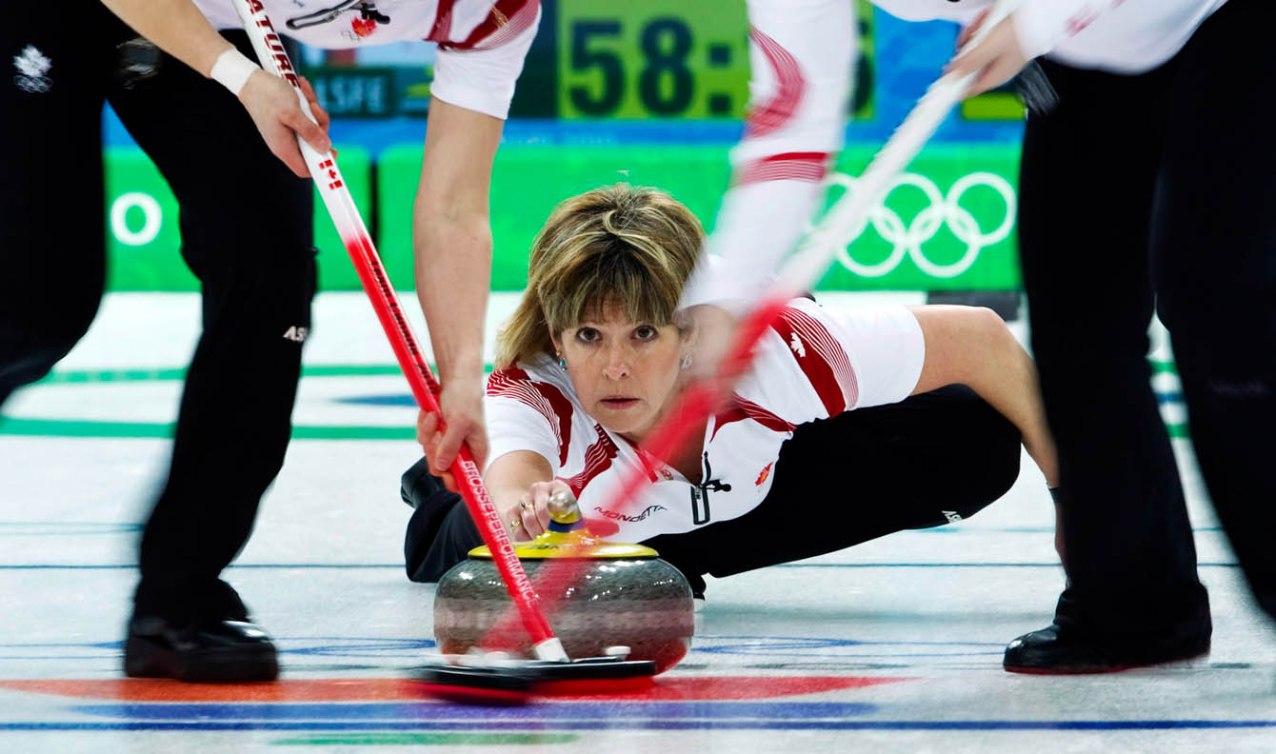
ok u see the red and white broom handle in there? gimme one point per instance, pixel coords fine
(354, 234)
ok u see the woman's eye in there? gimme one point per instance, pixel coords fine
(646, 332)
(587, 335)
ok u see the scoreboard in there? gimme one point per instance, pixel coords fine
(652, 59)
(631, 60)
(666, 60)
(637, 60)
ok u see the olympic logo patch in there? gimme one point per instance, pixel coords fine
(908, 237)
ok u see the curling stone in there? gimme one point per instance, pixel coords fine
(625, 596)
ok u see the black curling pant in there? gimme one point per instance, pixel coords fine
(246, 224)
(929, 460)
(1157, 190)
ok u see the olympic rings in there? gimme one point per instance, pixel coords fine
(909, 238)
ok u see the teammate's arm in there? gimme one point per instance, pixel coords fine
(180, 29)
(452, 241)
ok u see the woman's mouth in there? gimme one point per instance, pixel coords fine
(619, 403)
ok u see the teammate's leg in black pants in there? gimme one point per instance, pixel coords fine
(1088, 177)
(52, 237)
(1214, 256)
(246, 224)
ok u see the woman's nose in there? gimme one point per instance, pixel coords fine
(617, 366)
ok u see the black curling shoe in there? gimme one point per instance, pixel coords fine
(223, 651)
(1053, 651)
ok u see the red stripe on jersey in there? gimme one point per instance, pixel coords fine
(508, 19)
(442, 28)
(772, 115)
(650, 463)
(821, 357)
(545, 398)
(519, 21)
(1082, 20)
(741, 409)
(597, 460)
(790, 166)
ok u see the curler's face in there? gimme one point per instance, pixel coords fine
(625, 372)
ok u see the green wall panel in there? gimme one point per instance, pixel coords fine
(948, 224)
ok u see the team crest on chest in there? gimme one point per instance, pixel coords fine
(763, 475)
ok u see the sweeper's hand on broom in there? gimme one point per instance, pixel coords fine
(995, 55)
(712, 327)
(277, 113)
(462, 424)
(179, 28)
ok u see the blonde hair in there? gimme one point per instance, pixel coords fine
(617, 247)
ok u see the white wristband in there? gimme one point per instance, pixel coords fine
(232, 70)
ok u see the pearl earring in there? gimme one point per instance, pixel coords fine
(686, 361)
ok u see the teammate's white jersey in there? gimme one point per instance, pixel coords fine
(1123, 36)
(801, 56)
(482, 43)
(815, 363)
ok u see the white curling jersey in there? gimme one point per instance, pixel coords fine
(481, 43)
(815, 363)
(1122, 36)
